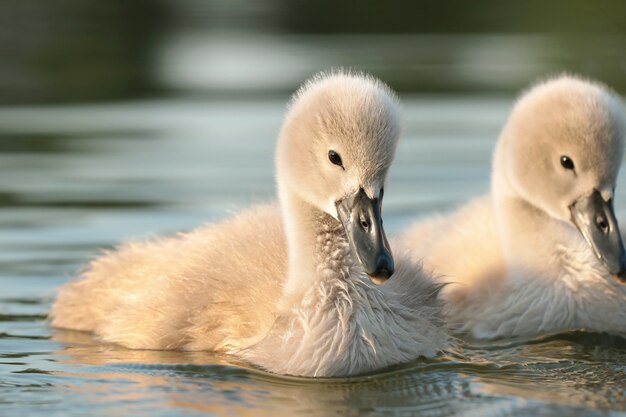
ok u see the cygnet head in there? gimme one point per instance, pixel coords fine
(335, 148)
(561, 151)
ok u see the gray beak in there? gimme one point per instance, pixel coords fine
(595, 218)
(362, 221)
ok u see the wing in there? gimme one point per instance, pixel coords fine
(463, 248)
(213, 287)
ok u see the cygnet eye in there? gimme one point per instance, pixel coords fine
(567, 163)
(334, 158)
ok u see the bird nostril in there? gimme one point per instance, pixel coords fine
(364, 223)
(602, 224)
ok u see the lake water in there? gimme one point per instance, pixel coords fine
(74, 180)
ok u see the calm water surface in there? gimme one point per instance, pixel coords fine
(74, 180)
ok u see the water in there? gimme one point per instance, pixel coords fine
(74, 180)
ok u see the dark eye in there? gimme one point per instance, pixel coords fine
(567, 163)
(335, 158)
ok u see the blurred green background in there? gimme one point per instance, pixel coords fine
(87, 50)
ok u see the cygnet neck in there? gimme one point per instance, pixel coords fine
(529, 237)
(317, 247)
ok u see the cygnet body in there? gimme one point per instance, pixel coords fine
(286, 287)
(542, 252)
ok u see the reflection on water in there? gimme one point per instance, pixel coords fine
(74, 180)
(555, 377)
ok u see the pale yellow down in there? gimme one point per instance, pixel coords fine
(277, 285)
(517, 263)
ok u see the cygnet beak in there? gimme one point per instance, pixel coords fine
(595, 218)
(361, 218)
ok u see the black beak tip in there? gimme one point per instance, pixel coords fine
(621, 276)
(383, 271)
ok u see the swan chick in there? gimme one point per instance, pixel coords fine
(308, 286)
(543, 251)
